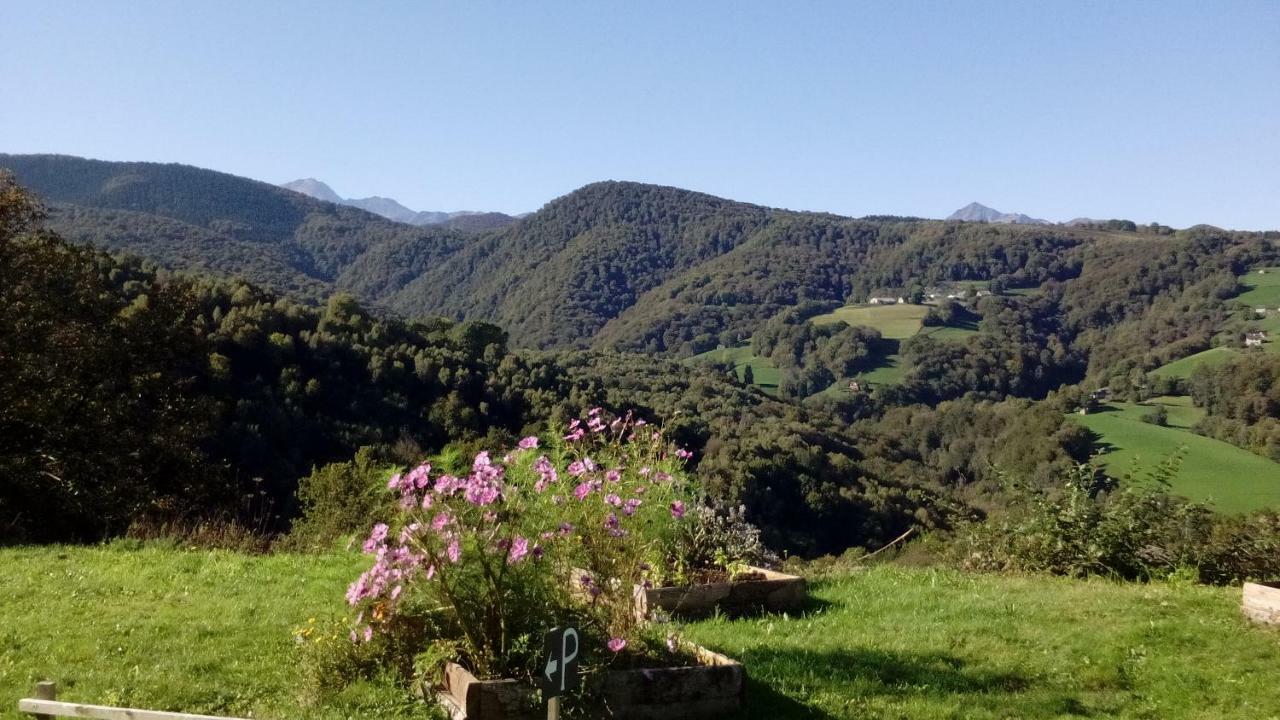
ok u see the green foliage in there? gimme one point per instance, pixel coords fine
(337, 500)
(1159, 415)
(99, 423)
(1241, 398)
(1134, 531)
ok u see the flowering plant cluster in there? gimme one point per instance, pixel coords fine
(546, 534)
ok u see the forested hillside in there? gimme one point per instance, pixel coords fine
(189, 218)
(299, 331)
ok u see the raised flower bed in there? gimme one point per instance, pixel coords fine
(711, 689)
(755, 590)
(475, 562)
(1261, 602)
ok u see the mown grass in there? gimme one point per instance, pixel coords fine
(763, 372)
(212, 632)
(923, 643)
(895, 322)
(1228, 477)
(169, 629)
(1183, 367)
(1264, 289)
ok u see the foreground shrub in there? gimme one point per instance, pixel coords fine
(480, 565)
(337, 501)
(1136, 531)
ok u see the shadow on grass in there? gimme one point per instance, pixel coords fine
(860, 673)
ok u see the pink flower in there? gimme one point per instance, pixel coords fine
(481, 492)
(440, 521)
(418, 478)
(577, 468)
(613, 500)
(629, 507)
(589, 585)
(616, 644)
(447, 484)
(683, 454)
(376, 537)
(519, 549)
(454, 551)
(575, 432)
(368, 634)
(394, 482)
(613, 476)
(612, 525)
(582, 491)
(528, 443)
(677, 509)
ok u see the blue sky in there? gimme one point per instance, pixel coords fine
(1161, 111)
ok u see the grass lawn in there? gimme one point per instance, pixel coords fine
(1234, 480)
(211, 632)
(922, 643)
(165, 629)
(895, 322)
(1264, 290)
(1183, 367)
(764, 373)
(1182, 412)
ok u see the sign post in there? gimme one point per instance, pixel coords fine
(560, 673)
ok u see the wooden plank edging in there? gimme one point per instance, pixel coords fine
(55, 708)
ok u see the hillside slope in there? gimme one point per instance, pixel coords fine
(190, 218)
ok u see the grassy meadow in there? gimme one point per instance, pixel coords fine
(1264, 288)
(895, 322)
(212, 632)
(764, 373)
(1231, 478)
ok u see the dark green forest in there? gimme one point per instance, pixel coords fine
(178, 343)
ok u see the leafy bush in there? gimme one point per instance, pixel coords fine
(1136, 531)
(1159, 415)
(338, 499)
(717, 539)
(482, 565)
(1088, 527)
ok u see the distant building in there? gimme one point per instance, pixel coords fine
(1260, 311)
(1255, 339)
(885, 301)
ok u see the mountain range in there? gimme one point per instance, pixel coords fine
(611, 265)
(393, 210)
(977, 212)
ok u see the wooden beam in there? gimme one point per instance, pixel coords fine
(53, 708)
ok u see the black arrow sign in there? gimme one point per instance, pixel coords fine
(560, 667)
